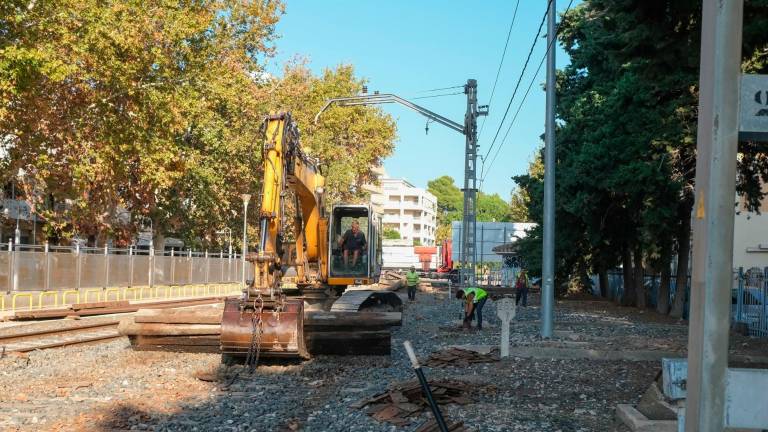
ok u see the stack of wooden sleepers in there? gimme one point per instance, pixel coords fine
(199, 329)
(182, 330)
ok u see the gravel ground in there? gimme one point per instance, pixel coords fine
(110, 387)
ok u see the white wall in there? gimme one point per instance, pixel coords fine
(410, 210)
(750, 240)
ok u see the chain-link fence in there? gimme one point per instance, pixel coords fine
(51, 268)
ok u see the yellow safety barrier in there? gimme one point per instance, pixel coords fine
(189, 291)
(2, 302)
(64, 294)
(200, 289)
(179, 289)
(149, 292)
(166, 289)
(92, 290)
(43, 294)
(26, 295)
(210, 290)
(136, 292)
(112, 290)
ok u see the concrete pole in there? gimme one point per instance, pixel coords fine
(246, 198)
(15, 265)
(548, 260)
(47, 251)
(717, 141)
(151, 261)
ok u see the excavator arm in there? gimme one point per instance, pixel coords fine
(287, 167)
(264, 321)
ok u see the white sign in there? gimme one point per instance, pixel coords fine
(753, 108)
(505, 310)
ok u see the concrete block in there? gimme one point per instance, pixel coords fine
(637, 422)
(654, 406)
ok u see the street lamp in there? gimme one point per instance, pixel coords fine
(228, 232)
(246, 198)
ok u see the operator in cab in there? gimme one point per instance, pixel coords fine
(475, 300)
(352, 243)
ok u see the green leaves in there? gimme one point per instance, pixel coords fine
(135, 110)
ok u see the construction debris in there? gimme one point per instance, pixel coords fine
(392, 280)
(457, 357)
(406, 400)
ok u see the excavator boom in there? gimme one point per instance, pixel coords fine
(265, 322)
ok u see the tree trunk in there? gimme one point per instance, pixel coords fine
(602, 277)
(681, 280)
(628, 297)
(662, 300)
(639, 278)
(159, 243)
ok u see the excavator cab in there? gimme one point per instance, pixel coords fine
(355, 245)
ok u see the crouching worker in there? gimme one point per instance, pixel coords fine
(475, 300)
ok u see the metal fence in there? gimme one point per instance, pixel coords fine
(749, 296)
(50, 268)
(615, 289)
(749, 300)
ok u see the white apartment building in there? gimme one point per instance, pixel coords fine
(410, 210)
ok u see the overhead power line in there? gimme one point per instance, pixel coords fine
(438, 95)
(519, 80)
(501, 62)
(440, 89)
(525, 96)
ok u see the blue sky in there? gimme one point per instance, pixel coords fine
(407, 47)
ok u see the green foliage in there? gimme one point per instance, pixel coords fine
(492, 208)
(518, 206)
(417, 242)
(391, 234)
(118, 112)
(450, 200)
(626, 138)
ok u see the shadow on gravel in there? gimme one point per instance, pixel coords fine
(281, 395)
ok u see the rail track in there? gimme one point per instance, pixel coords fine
(80, 332)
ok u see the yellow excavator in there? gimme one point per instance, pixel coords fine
(310, 269)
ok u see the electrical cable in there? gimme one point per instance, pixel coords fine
(501, 62)
(440, 95)
(525, 96)
(443, 88)
(520, 79)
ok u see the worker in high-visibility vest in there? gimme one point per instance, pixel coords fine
(412, 281)
(475, 300)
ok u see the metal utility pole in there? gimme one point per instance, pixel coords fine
(468, 256)
(469, 222)
(548, 260)
(717, 140)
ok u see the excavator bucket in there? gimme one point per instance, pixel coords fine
(273, 332)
